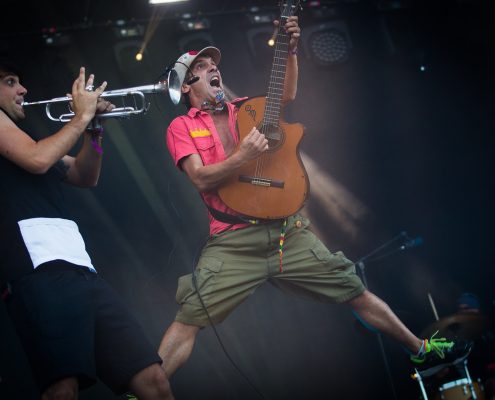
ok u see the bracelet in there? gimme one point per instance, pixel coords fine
(95, 129)
(293, 51)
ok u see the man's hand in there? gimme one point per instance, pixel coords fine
(103, 106)
(293, 30)
(253, 145)
(84, 100)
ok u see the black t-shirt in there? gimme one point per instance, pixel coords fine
(24, 195)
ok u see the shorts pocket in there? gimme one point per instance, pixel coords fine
(184, 288)
(335, 260)
(211, 264)
(205, 273)
(321, 252)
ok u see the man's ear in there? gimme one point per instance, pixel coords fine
(185, 88)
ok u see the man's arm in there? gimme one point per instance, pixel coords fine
(39, 156)
(209, 177)
(84, 169)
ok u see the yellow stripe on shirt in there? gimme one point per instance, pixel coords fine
(200, 133)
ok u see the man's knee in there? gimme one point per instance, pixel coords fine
(65, 389)
(151, 381)
(361, 299)
(159, 380)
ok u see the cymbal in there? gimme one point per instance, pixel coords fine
(462, 325)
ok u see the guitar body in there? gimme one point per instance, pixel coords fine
(276, 184)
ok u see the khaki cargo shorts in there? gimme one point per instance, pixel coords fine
(234, 263)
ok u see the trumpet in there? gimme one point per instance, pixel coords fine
(134, 95)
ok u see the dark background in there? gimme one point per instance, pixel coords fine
(402, 130)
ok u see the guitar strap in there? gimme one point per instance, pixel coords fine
(235, 219)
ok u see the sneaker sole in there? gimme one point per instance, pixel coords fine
(437, 368)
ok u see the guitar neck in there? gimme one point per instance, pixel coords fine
(273, 104)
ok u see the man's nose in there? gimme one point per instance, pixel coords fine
(22, 90)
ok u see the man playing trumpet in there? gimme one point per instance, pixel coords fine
(72, 325)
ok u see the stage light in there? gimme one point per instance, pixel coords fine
(256, 17)
(196, 25)
(124, 29)
(155, 2)
(130, 57)
(258, 38)
(56, 39)
(328, 43)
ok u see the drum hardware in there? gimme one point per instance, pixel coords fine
(466, 325)
(461, 389)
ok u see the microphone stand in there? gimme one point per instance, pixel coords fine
(375, 255)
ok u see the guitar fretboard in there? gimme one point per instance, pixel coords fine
(273, 103)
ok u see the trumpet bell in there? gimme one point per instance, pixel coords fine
(174, 86)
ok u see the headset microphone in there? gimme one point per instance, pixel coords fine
(193, 79)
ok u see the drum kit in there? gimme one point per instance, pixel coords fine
(466, 326)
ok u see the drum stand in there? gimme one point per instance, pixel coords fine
(419, 378)
(383, 251)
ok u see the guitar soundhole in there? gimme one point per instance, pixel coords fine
(274, 134)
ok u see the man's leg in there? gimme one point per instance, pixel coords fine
(176, 346)
(151, 383)
(64, 389)
(379, 315)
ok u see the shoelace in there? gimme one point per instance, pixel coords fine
(438, 345)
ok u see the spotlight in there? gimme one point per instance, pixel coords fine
(129, 55)
(56, 39)
(126, 30)
(328, 43)
(256, 17)
(188, 23)
(164, 1)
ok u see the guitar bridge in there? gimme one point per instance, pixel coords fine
(266, 182)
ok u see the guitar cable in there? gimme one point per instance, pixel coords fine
(195, 284)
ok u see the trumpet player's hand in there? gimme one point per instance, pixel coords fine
(103, 106)
(84, 98)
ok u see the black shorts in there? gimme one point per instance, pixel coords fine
(71, 323)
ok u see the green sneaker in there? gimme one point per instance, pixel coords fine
(440, 353)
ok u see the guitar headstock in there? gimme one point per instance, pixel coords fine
(289, 7)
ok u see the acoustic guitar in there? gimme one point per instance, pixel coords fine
(275, 185)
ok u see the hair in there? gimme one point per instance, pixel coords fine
(7, 67)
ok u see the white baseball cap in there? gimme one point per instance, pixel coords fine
(183, 64)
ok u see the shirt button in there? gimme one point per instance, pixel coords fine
(298, 223)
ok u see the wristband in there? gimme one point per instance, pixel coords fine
(293, 51)
(95, 129)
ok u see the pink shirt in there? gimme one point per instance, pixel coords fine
(195, 133)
